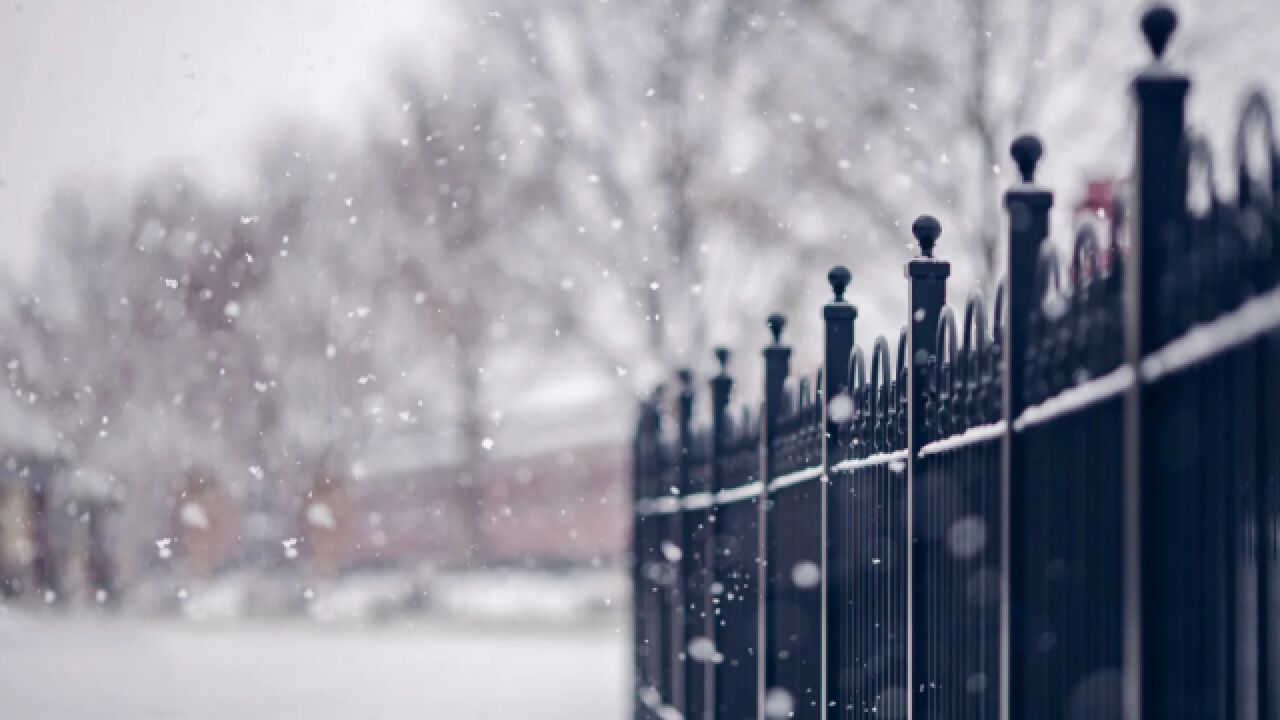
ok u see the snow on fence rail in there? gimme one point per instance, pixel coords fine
(996, 517)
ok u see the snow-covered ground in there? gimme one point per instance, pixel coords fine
(82, 667)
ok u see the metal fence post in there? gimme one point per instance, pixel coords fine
(721, 386)
(1160, 94)
(1028, 208)
(679, 643)
(777, 365)
(837, 410)
(647, 556)
(640, 461)
(927, 287)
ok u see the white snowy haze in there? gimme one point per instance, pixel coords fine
(271, 234)
(280, 239)
(361, 296)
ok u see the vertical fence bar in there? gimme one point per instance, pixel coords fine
(721, 387)
(695, 553)
(637, 567)
(838, 319)
(645, 554)
(777, 365)
(738, 571)
(1260, 197)
(1028, 207)
(1160, 95)
(679, 641)
(927, 287)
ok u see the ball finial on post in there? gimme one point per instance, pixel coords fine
(776, 323)
(926, 229)
(686, 378)
(1158, 24)
(1027, 151)
(722, 357)
(839, 279)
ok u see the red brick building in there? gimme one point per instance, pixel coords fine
(553, 507)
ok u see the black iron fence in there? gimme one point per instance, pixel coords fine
(1066, 508)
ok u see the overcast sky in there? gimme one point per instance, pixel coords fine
(112, 87)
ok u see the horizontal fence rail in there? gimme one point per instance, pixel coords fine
(1062, 504)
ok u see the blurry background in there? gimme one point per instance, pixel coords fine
(324, 322)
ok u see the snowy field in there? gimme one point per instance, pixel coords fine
(104, 668)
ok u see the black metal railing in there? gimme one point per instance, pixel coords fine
(1066, 507)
